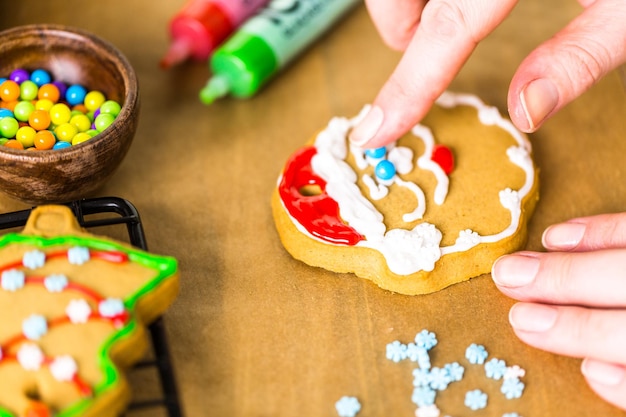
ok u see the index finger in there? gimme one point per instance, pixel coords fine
(446, 35)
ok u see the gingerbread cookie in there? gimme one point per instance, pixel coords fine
(74, 310)
(437, 207)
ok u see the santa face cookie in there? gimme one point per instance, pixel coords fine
(437, 207)
(74, 309)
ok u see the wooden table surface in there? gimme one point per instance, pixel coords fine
(255, 333)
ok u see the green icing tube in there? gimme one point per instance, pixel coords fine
(267, 42)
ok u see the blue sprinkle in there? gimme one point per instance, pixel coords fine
(12, 280)
(423, 396)
(34, 259)
(439, 379)
(426, 339)
(476, 354)
(423, 361)
(111, 307)
(495, 368)
(385, 170)
(455, 371)
(421, 377)
(396, 351)
(376, 153)
(34, 327)
(55, 282)
(347, 406)
(78, 255)
(512, 388)
(414, 352)
(476, 399)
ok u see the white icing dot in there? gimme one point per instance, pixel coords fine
(78, 311)
(30, 356)
(63, 368)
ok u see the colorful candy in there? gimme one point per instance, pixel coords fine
(39, 113)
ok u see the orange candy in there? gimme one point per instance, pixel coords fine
(50, 92)
(37, 409)
(44, 139)
(9, 90)
(39, 119)
(15, 144)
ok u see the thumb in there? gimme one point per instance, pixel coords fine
(562, 68)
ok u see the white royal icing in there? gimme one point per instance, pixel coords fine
(78, 311)
(418, 249)
(30, 356)
(63, 368)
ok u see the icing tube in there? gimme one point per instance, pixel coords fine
(267, 42)
(202, 25)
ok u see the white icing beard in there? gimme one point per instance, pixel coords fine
(409, 251)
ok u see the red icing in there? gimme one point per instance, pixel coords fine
(442, 155)
(318, 214)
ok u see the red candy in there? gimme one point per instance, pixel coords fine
(443, 156)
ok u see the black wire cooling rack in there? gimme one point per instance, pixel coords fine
(127, 215)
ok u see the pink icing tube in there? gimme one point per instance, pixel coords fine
(202, 25)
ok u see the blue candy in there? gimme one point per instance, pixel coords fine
(385, 170)
(5, 113)
(376, 153)
(40, 77)
(75, 94)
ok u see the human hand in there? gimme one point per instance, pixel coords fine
(573, 298)
(438, 36)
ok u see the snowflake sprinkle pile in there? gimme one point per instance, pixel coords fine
(429, 380)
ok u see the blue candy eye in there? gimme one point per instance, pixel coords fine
(385, 170)
(376, 153)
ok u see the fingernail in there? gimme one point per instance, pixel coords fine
(563, 236)
(602, 372)
(515, 270)
(532, 317)
(538, 99)
(367, 128)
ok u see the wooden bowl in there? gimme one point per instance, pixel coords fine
(73, 56)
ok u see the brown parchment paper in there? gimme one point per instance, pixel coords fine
(255, 333)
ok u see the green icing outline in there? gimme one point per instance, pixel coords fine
(164, 265)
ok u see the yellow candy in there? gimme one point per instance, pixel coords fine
(26, 136)
(66, 132)
(82, 122)
(44, 104)
(80, 138)
(60, 113)
(94, 99)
